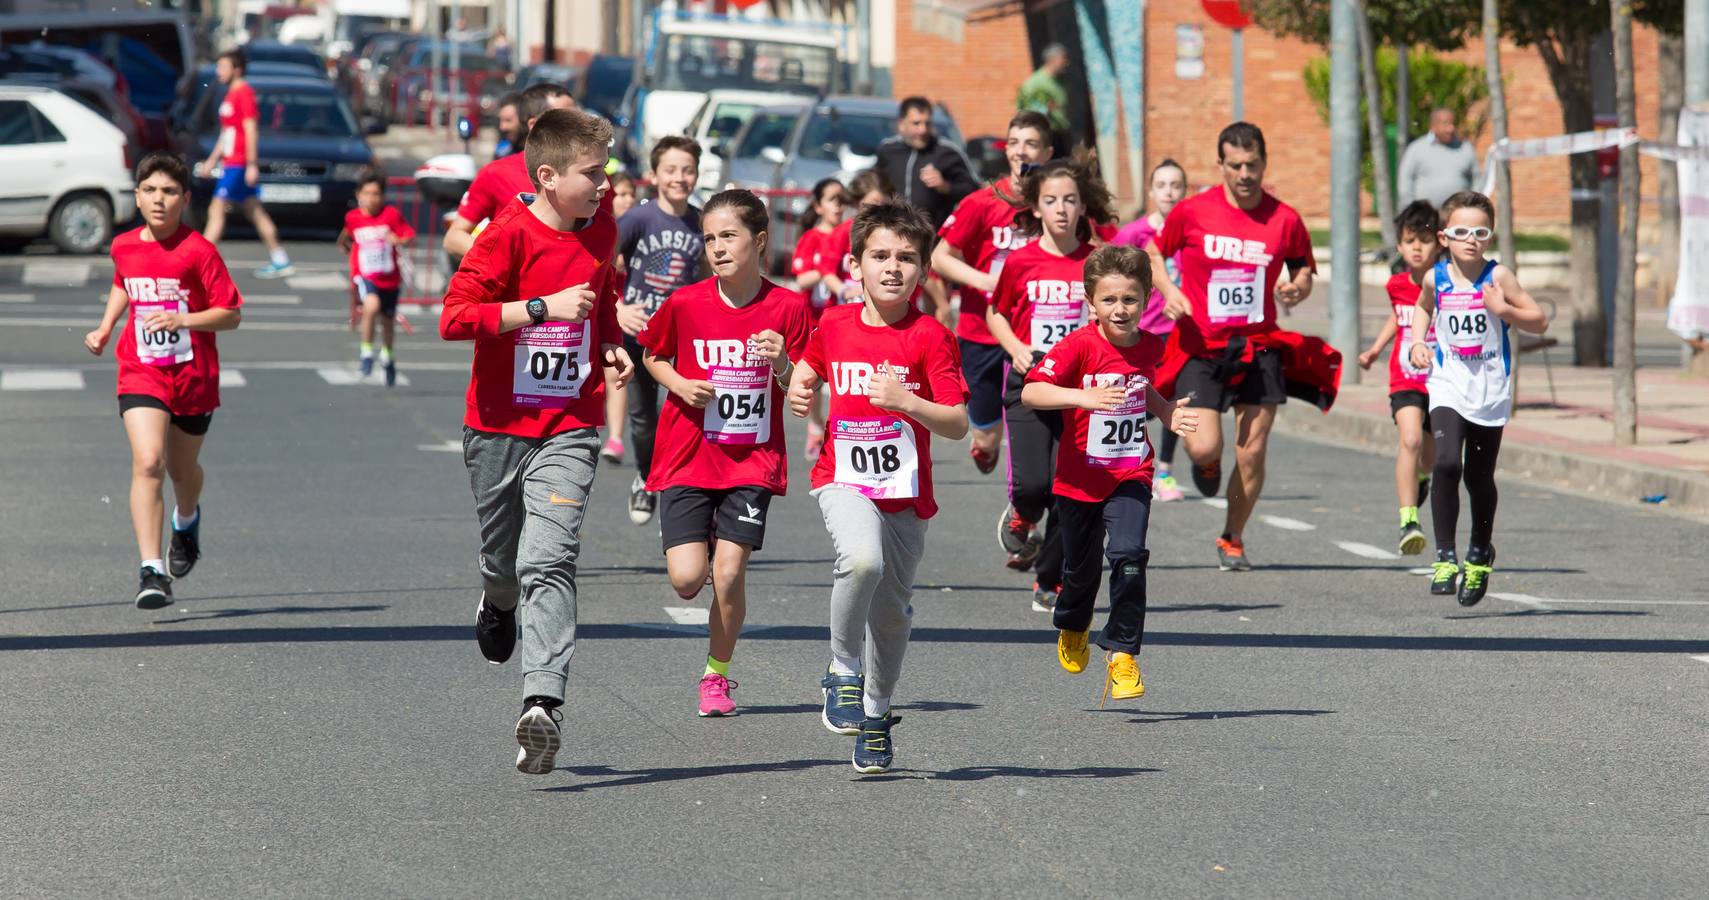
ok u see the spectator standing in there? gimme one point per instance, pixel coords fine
(1043, 92)
(927, 172)
(1438, 165)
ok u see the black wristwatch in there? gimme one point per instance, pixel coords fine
(537, 310)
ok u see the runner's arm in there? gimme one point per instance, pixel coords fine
(459, 236)
(1175, 303)
(948, 262)
(1017, 349)
(803, 386)
(1301, 277)
(695, 393)
(1519, 309)
(1390, 326)
(1175, 417)
(218, 318)
(345, 239)
(117, 300)
(1423, 311)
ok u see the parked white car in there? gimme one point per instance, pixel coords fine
(715, 126)
(63, 171)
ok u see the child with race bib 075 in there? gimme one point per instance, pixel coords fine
(895, 380)
(1473, 303)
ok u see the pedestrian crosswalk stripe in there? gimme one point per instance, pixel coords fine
(1216, 503)
(17, 298)
(1366, 550)
(318, 281)
(346, 377)
(1287, 524)
(41, 380)
(56, 274)
(232, 378)
(688, 615)
(273, 299)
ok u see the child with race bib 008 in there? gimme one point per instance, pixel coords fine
(723, 349)
(372, 234)
(1473, 303)
(895, 380)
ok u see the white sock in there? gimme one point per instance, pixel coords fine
(158, 565)
(845, 665)
(179, 524)
(280, 257)
(876, 707)
(385, 354)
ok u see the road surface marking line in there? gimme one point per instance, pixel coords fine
(319, 281)
(41, 380)
(272, 299)
(688, 615)
(1522, 598)
(346, 377)
(442, 447)
(1366, 550)
(232, 378)
(83, 324)
(56, 274)
(17, 298)
(1215, 502)
(1287, 524)
(1701, 659)
(1421, 570)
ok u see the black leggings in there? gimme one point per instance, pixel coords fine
(1033, 438)
(1464, 452)
(643, 410)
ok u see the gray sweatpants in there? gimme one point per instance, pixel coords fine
(872, 583)
(531, 496)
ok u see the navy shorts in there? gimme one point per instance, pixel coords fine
(982, 367)
(388, 297)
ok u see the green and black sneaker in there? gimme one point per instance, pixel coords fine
(1480, 562)
(1442, 581)
(1412, 540)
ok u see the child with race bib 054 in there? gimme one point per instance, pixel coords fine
(895, 380)
(372, 234)
(723, 349)
(1100, 376)
(1473, 303)
(178, 292)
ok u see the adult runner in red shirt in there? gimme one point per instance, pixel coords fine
(498, 182)
(236, 164)
(1233, 243)
(973, 243)
(179, 293)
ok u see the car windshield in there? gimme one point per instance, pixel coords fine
(728, 118)
(768, 129)
(830, 135)
(692, 62)
(288, 111)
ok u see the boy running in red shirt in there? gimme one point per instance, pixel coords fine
(536, 296)
(179, 293)
(1040, 299)
(1101, 377)
(895, 381)
(722, 348)
(372, 234)
(1409, 388)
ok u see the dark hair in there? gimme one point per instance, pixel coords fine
(161, 162)
(1095, 199)
(1036, 121)
(1167, 163)
(913, 104)
(621, 178)
(675, 142)
(868, 180)
(514, 98)
(236, 57)
(901, 219)
(748, 209)
(1242, 136)
(1419, 218)
(371, 175)
(810, 218)
(560, 135)
(1119, 259)
(1467, 200)
(533, 101)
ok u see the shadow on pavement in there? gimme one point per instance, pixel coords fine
(268, 611)
(1155, 717)
(627, 778)
(220, 598)
(983, 773)
(1523, 613)
(917, 706)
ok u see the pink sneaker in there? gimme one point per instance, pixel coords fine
(715, 695)
(1168, 489)
(612, 452)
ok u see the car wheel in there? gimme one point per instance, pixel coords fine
(82, 223)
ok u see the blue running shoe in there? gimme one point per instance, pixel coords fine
(275, 270)
(842, 713)
(365, 365)
(874, 748)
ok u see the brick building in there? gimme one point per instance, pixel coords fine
(973, 54)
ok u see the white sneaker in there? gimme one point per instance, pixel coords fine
(642, 502)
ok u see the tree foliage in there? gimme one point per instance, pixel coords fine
(1437, 24)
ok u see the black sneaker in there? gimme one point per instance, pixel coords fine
(842, 713)
(874, 748)
(1480, 563)
(1447, 572)
(154, 591)
(391, 370)
(642, 502)
(1208, 479)
(186, 548)
(1412, 540)
(537, 732)
(495, 631)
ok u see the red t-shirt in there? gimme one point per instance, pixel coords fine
(494, 187)
(1043, 295)
(836, 248)
(237, 107)
(542, 379)
(982, 228)
(1120, 451)
(1231, 259)
(184, 273)
(1402, 376)
(738, 438)
(372, 256)
(812, 254)
(880, 454)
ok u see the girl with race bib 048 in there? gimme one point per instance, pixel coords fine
(723, 349)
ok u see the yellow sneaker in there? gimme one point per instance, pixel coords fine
(1071, 650)
(1124, 683)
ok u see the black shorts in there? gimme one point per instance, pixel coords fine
(195, 426)
(691, 515)
(1400, 400)
(982, 367)
(1206, 380)
(388, 297)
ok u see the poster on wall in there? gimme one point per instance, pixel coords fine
(1189, 51)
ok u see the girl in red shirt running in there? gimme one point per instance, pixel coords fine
(815, 266)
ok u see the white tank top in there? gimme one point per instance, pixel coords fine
(1473, 371)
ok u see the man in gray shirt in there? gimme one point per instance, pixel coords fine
(1438, 164)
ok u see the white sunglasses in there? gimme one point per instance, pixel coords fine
(1461, 232)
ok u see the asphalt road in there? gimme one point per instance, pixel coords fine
(313, 718)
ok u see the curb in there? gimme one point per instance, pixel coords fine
(1605, 479)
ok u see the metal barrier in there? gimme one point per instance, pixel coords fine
(422, 264)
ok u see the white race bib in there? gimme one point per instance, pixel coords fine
(374, 257)
(551, 364)
(1235, 296)
(740, 411)
(228, 142)
(1116, 439)
(1054, 321)
(161, 348)
(1465, 322)
(877, 458)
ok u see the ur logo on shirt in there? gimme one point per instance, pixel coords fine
(851, 378)
(155, 290)
(1047, 291)
(1003, 238)
(720, 353)
(1236, 250)
(1114, 379)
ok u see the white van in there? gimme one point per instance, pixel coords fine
(63, 171)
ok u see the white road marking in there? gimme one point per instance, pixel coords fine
(1366, 550)
(1287, 524)
(442, 447)
(83, 324)
(272, 299)
(56, 274)
(688, 615)
(1215, 502)
(1701, 659)
(318, 281)
(41, 380)
(1544, 602)
(17, 298)
(232, 378)
(420, 309)
(1421, 570)
(346, 377)
(1523, 600)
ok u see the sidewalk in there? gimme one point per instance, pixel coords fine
(1567, 441)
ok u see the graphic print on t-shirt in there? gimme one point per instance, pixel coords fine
(741, 386)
